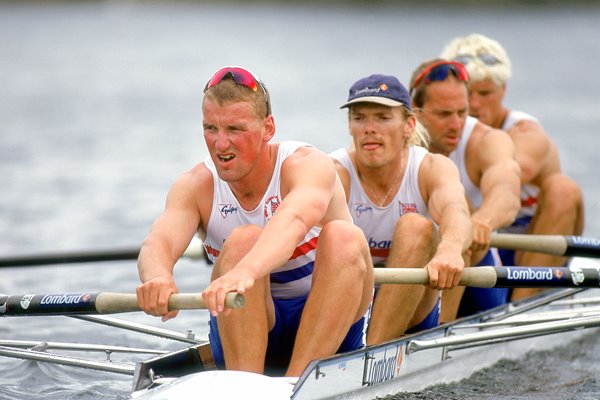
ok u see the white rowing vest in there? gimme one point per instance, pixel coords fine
(529, 193)
(290, 280)
(459, 157)
(378, 223)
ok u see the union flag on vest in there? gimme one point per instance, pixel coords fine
(407, 208)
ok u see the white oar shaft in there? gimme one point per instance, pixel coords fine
(110, 303)
(547, 244)
(478, 277)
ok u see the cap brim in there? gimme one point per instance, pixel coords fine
(373, 99)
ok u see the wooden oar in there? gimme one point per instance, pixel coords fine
(488, 277)
(97, 303)
(194, 251)
(568, 246)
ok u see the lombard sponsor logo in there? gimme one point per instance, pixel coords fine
(382, 366)
(62, 299)
(368, 90)
(383, 244)
(533, 274)
(226, 209)
(362, 208)
(586, 241)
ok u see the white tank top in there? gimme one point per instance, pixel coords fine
(290, 280)
(529, 193)
(378, 223)
(459, 157)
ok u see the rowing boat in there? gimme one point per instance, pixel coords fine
(444, 354)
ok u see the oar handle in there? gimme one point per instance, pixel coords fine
(510, 276)
(478, 277)
(557, 245)
(97, 303)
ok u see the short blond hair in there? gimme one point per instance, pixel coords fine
(473, 51)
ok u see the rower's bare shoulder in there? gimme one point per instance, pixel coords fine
(197, 176)
(309, 157)
(488, 139)
(437, 167)
(530, 134)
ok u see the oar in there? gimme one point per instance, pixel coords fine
(97, 303)
(194, 251)
(489, 277)
(569, 246)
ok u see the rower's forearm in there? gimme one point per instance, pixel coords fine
(455, 228)
(153, 261)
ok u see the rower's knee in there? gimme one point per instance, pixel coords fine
(419, 229)
(347, 244)
(238, 243)
(560, 194)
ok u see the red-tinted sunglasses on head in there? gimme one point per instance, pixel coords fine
(439, 71)
(241, 77)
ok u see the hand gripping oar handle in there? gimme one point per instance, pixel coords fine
(567, 246)
(483, 277)
(488, 277)
(97, 303)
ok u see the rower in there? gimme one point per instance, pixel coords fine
(408, 202)
(551, 202)
(485, 158)
(275, 222)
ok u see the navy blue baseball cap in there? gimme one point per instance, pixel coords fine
(380, 89)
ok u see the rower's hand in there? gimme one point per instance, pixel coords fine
(445, 269)
(482, 235)
(153, 297)
(237, 280)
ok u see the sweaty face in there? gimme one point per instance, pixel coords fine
(235, 137)
(444, 114)
(485, 102)
(378, 133)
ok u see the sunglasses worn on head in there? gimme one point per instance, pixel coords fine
(439, 71)
(241, 77)
(485, 58)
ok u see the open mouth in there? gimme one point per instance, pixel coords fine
(225, 157)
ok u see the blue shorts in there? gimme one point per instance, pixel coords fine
(475, 299)
(519, 226)
(431, 321)
(283, 335)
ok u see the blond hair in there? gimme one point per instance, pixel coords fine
(484, 58)
(420, 135)
(227, 92)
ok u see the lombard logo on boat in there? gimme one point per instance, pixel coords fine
(586, 241)
(529, 274)
(226, 209)
(361, 208)
(382, 365)
(60, 299)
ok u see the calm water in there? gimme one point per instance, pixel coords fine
(100, 111)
